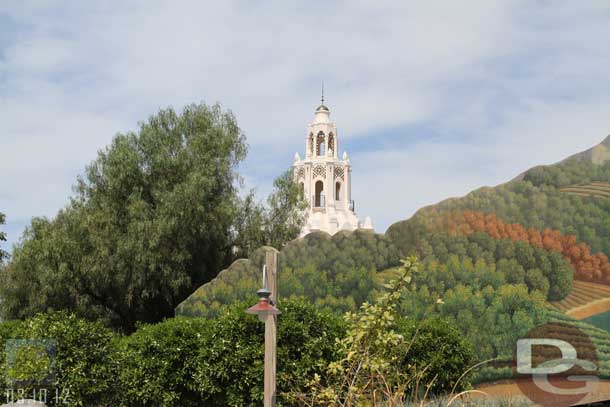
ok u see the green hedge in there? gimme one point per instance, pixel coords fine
(84, 361)
(180, 361)
(193, 361)
(230, 365)
(157, 363)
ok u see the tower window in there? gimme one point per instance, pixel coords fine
(338, 191)
(319, 197)
(320, 144)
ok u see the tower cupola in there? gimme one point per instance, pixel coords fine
(325, 179)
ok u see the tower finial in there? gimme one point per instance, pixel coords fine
(322, 98)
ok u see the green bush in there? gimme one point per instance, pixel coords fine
(437, 348)
(194, 362)
(85, 356)
(230, 365)
(158, 362)
(8, 330)
(83, 364)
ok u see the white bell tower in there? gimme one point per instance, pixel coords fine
(325, 179)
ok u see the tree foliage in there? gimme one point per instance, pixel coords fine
(384, 360)
(219, 362)
(335, 272)
(285, 211)
(151, 220)
(155, 215)
(587, 266)
(80, 372)
(273, 224)
(158, 361)
(194, 361)
(231, 363)
(440, 352)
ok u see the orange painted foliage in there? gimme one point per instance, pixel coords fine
(587, 266)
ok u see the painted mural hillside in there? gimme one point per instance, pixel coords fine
(562, 208)
(497, 262)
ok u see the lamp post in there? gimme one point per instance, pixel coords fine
(267, 312)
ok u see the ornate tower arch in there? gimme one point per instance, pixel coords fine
(325, 178)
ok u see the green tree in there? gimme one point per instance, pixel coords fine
(273, 224)
(536, 280)
(285, 214)
(153, 218)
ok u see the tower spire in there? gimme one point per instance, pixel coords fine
(322, 98)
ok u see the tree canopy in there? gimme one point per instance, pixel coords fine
(154, 216)
(274, 224)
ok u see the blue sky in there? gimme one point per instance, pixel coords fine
(431, 99)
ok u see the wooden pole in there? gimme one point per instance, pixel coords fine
(271, 256)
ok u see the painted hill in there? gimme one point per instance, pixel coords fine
(497, 261)
(598, 154)
(599, 189)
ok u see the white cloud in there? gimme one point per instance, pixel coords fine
(493, 87)
(391, 184)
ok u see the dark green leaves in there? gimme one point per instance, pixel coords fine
(153, 218)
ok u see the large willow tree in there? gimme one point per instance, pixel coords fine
(157, 214)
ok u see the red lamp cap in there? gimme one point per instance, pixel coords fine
(263, 308)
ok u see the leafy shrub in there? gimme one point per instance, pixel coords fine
(83, 364)
(437, 348)
(387, 360)
(230, 365)
(369, 370)
(158, 362)
(193, 362)
(8, 330)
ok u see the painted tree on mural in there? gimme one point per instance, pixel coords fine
(587, 266)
